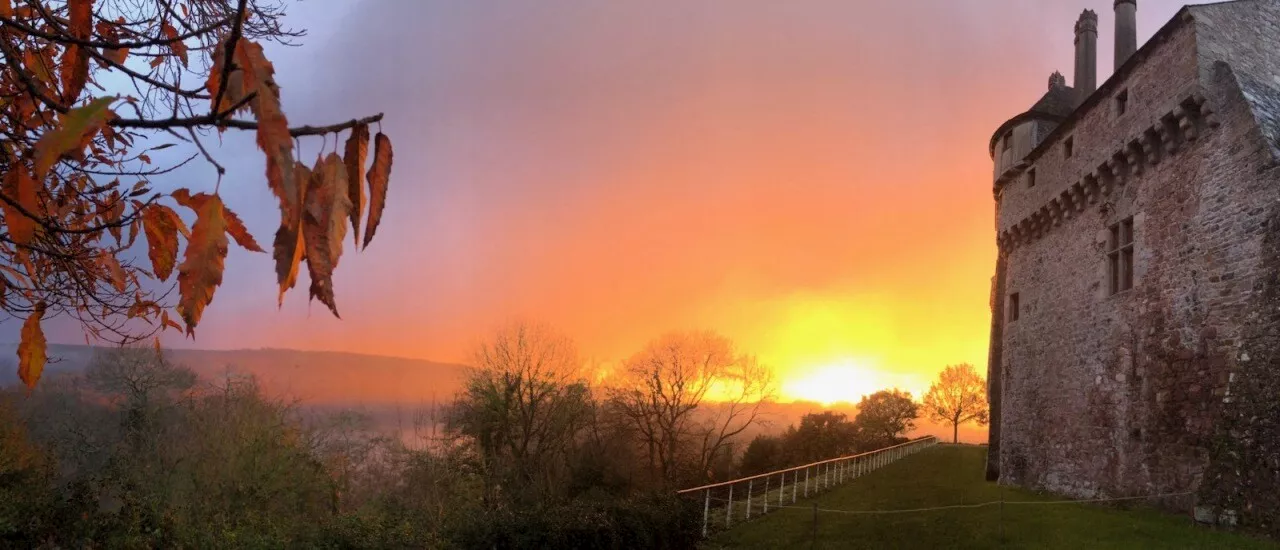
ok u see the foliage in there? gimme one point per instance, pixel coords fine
(651, 521)
(764, 454)
(885, 417)
(959, 396)
(523, 404)
(90, 89)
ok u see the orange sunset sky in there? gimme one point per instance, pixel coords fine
(810, 178)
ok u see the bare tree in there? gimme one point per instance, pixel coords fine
(524, 401)
(959, 396)
(662, 390)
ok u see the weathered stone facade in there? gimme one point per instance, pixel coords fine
(1172, 385)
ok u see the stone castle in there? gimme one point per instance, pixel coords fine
(1135, 335)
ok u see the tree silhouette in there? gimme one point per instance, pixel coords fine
(885, 417)
(959, 396)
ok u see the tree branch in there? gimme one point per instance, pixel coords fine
(68, 39)
(212, 120)
(228, 62)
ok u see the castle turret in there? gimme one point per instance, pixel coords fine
(1126, 30)
(1086, 54)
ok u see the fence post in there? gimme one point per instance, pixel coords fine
(728, 510)
(766, 495)
(806, 482)
(706, 512)
(749, 487)
(795, 484)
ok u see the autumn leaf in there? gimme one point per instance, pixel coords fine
(288, 250)
(201, 269)
(20, 188)
(235, 227)
(73, 128)
(324, 225)
(166, 322)
(256, 75)
(379, 175)
(158, 221)
(177, 46)
(75, 59)
(32, 348)
(357, 149)
(114, 270)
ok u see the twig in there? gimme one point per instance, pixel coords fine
(68, 39)
(212, 120)
(227, 62)
(207, 156)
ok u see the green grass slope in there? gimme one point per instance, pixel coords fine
(950, 475)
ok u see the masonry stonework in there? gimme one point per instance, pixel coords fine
(1172, 386)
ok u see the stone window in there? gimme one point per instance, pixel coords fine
(1031, 177)
(1120, 256)
(1008, 140)
(1013, 307)
(1122, 102)
(1069, 147)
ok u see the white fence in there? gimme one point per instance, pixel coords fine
(757, 493)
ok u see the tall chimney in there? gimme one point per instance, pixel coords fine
(1086, 54)
(1126, 30)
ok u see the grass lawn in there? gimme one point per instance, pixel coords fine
(948, 475)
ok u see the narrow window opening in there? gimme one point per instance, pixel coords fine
(1122, 102)
(1013, 307)
(1008, 139)
(1120, 256)
(1069, 147)
(1031, 177)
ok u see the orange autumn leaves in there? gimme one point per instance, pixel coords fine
(317, 204)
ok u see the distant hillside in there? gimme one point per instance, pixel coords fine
(311, 376)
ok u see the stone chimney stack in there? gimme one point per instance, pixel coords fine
(1126, 30)
(1087, 53)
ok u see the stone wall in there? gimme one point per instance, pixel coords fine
(1132, 394)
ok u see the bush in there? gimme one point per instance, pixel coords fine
(653, 521)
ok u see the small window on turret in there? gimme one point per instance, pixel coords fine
(1122, 102)
(1069, 147)
(1031, 177)
(1008, 139)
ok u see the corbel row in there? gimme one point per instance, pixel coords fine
(1174, 130)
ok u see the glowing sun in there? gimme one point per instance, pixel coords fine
(847, 381)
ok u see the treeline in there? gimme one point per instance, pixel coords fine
(882, 421)
(536, 451)
(137, 452)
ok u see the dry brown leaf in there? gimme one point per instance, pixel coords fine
(379, 175)
(235, 227)
(324, 223)
(19, 186)
(176, 46)
(74, 68)
(162, 238)
(32, 349)
(201, 269)
(288, 250)
(357, 150)
(74, 128)
(114, 270)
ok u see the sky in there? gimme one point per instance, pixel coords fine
(810, 178)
